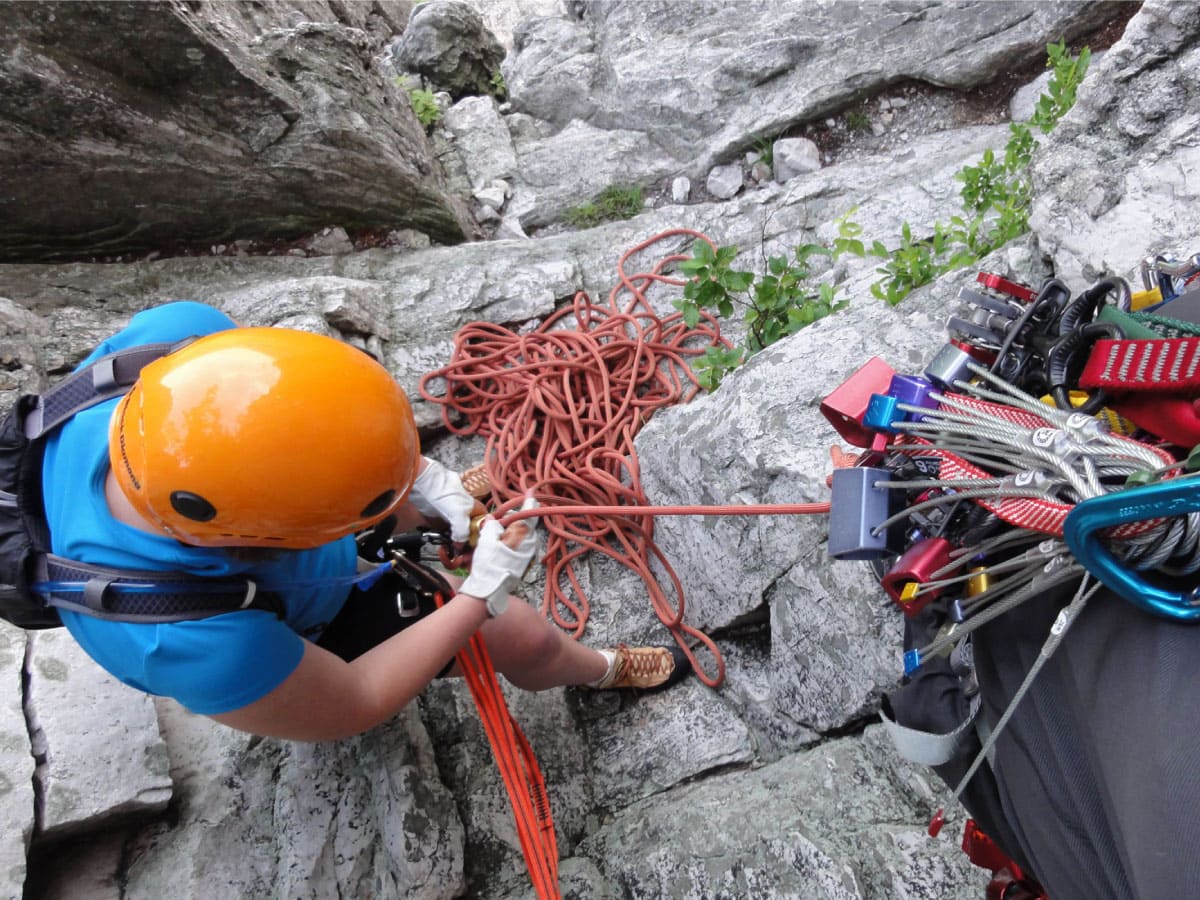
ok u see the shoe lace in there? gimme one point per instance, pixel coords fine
(641, 663)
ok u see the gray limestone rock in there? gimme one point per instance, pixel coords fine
(735, 72)
(552, 180)
(795, 156)
(356, 818)
(186, 123)
(814, 824)
(724, 182)
(481, 140)
(16, 775)
(116, 766)
(447, 43)
(1122, 163)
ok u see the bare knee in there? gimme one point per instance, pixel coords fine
(522, 648)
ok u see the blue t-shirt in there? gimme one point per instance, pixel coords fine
(211, 665)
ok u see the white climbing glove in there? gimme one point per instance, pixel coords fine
(439, 493)
(495, 567)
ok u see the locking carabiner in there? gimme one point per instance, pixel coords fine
(1161, 499)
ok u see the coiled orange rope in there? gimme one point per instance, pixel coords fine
(560, 407)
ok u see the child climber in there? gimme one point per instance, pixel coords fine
(261, 452)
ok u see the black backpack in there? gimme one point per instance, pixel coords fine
(34, 583)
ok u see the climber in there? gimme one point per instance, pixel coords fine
(261, 452)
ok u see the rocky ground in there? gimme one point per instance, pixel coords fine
(878, 124)
(774, 785)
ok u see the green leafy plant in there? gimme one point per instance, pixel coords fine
(499, 86)
(996, 196)
(996, 193)
(1064, 83)
(857, 120)
(612, 203)
(765, 148)
(424, 104)
(786, 298)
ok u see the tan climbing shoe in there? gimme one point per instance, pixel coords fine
(645, 668)
(475, 481)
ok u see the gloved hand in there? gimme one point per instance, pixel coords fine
(496, 567)
(439, 493)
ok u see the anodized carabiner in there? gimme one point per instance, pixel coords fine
(1161, 499)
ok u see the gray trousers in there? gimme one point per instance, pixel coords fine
(1092, 789)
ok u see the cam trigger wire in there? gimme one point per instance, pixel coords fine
(1066, 618)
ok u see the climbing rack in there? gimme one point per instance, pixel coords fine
(1052, 440)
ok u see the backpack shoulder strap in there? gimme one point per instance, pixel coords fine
(130, 595)
(106, 377)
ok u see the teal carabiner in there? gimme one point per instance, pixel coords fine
(1173, 497)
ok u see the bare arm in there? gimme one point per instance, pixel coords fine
(326, 698)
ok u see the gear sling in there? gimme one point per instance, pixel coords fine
(35, 583)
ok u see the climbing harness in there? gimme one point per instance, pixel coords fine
(514, 757)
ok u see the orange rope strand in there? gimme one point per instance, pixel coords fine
(518, 768)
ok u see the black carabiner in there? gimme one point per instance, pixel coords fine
(1084, 308)
(1066, 359)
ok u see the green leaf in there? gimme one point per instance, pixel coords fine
(855, 248)
(737, 281)
(804, 251)
(726, 255)
(710, 292)
(691, 315)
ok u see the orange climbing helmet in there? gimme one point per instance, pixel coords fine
(264, 437)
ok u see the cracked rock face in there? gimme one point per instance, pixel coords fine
(176, 123)
(779, 784)
(16, 772)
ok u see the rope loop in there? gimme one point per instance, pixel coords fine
(560, 407)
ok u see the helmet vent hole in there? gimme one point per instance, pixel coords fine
(192, 506)
(378, 505)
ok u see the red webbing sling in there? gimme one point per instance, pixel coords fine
(1153, 382)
